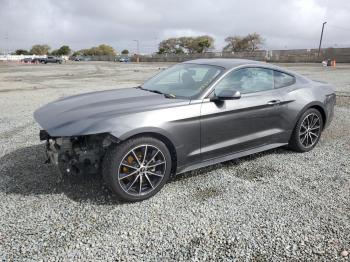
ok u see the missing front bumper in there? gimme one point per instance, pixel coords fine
(44, 135)
(76, 154)
(51, 152)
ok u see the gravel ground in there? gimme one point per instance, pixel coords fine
(276, 206)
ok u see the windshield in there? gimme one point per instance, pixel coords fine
(183, 80)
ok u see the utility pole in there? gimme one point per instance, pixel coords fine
(319, 47)
(138, 50)
(138, 46)
(6, 50)
(156, 44)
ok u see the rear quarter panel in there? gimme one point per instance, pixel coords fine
(302, 96)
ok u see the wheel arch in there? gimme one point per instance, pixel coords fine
(169, 143)
(323, 113)
(316, 105)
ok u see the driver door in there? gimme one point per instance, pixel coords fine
(253, 120)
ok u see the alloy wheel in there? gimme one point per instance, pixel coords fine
(141, 170)
(310, 130)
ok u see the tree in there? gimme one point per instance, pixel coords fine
(186, 44)
(63, 50)
(200, 44)
(249, 43)
(40, 49)
(254, 41)
(88, 52)
(179, 51)
(161, 50)
(106, 49)
(235, 44)
(100, 50)
(77, 53)
(21, 52)
(54, 52)
(125, 52)
(168, 46)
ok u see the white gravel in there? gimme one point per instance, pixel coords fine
(276, 206)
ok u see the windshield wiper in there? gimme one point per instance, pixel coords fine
(158, 92)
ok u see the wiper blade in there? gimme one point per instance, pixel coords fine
(161, 93)
(170, 95)
(155, 91)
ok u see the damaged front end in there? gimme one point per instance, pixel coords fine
(78, 154)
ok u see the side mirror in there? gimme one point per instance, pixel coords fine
(226, 95)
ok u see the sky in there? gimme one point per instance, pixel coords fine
(288, 24)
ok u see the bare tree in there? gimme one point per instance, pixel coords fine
(251, 42)
(254, 40)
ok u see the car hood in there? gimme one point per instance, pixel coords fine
(90, 113)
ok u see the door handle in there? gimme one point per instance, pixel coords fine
(274, 102)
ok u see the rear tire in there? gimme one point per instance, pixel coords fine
(137, 169)
(307, 131)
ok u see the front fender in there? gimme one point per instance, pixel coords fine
(133, 132)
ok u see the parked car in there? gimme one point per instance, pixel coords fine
(49, 59)
(27, 60)
(37, 60)
(191, 115)
(124, 59)
(75, 58)
(53, 59)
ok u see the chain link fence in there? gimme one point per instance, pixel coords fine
(341, 55)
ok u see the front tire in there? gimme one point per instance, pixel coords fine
(137, 168)
(307, 131)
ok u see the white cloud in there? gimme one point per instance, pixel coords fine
(291, 24)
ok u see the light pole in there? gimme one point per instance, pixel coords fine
(138, 50)
(138, 46)
(6, 49)
(319, 47)
(156, 43)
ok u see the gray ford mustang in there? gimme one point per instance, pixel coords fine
(192, 115)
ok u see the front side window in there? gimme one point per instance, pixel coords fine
(282, 79)
(247, 80)
(183, 80)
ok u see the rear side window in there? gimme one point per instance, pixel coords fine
(247, 80)
(282, 79)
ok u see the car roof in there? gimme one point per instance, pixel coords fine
(226, 63)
